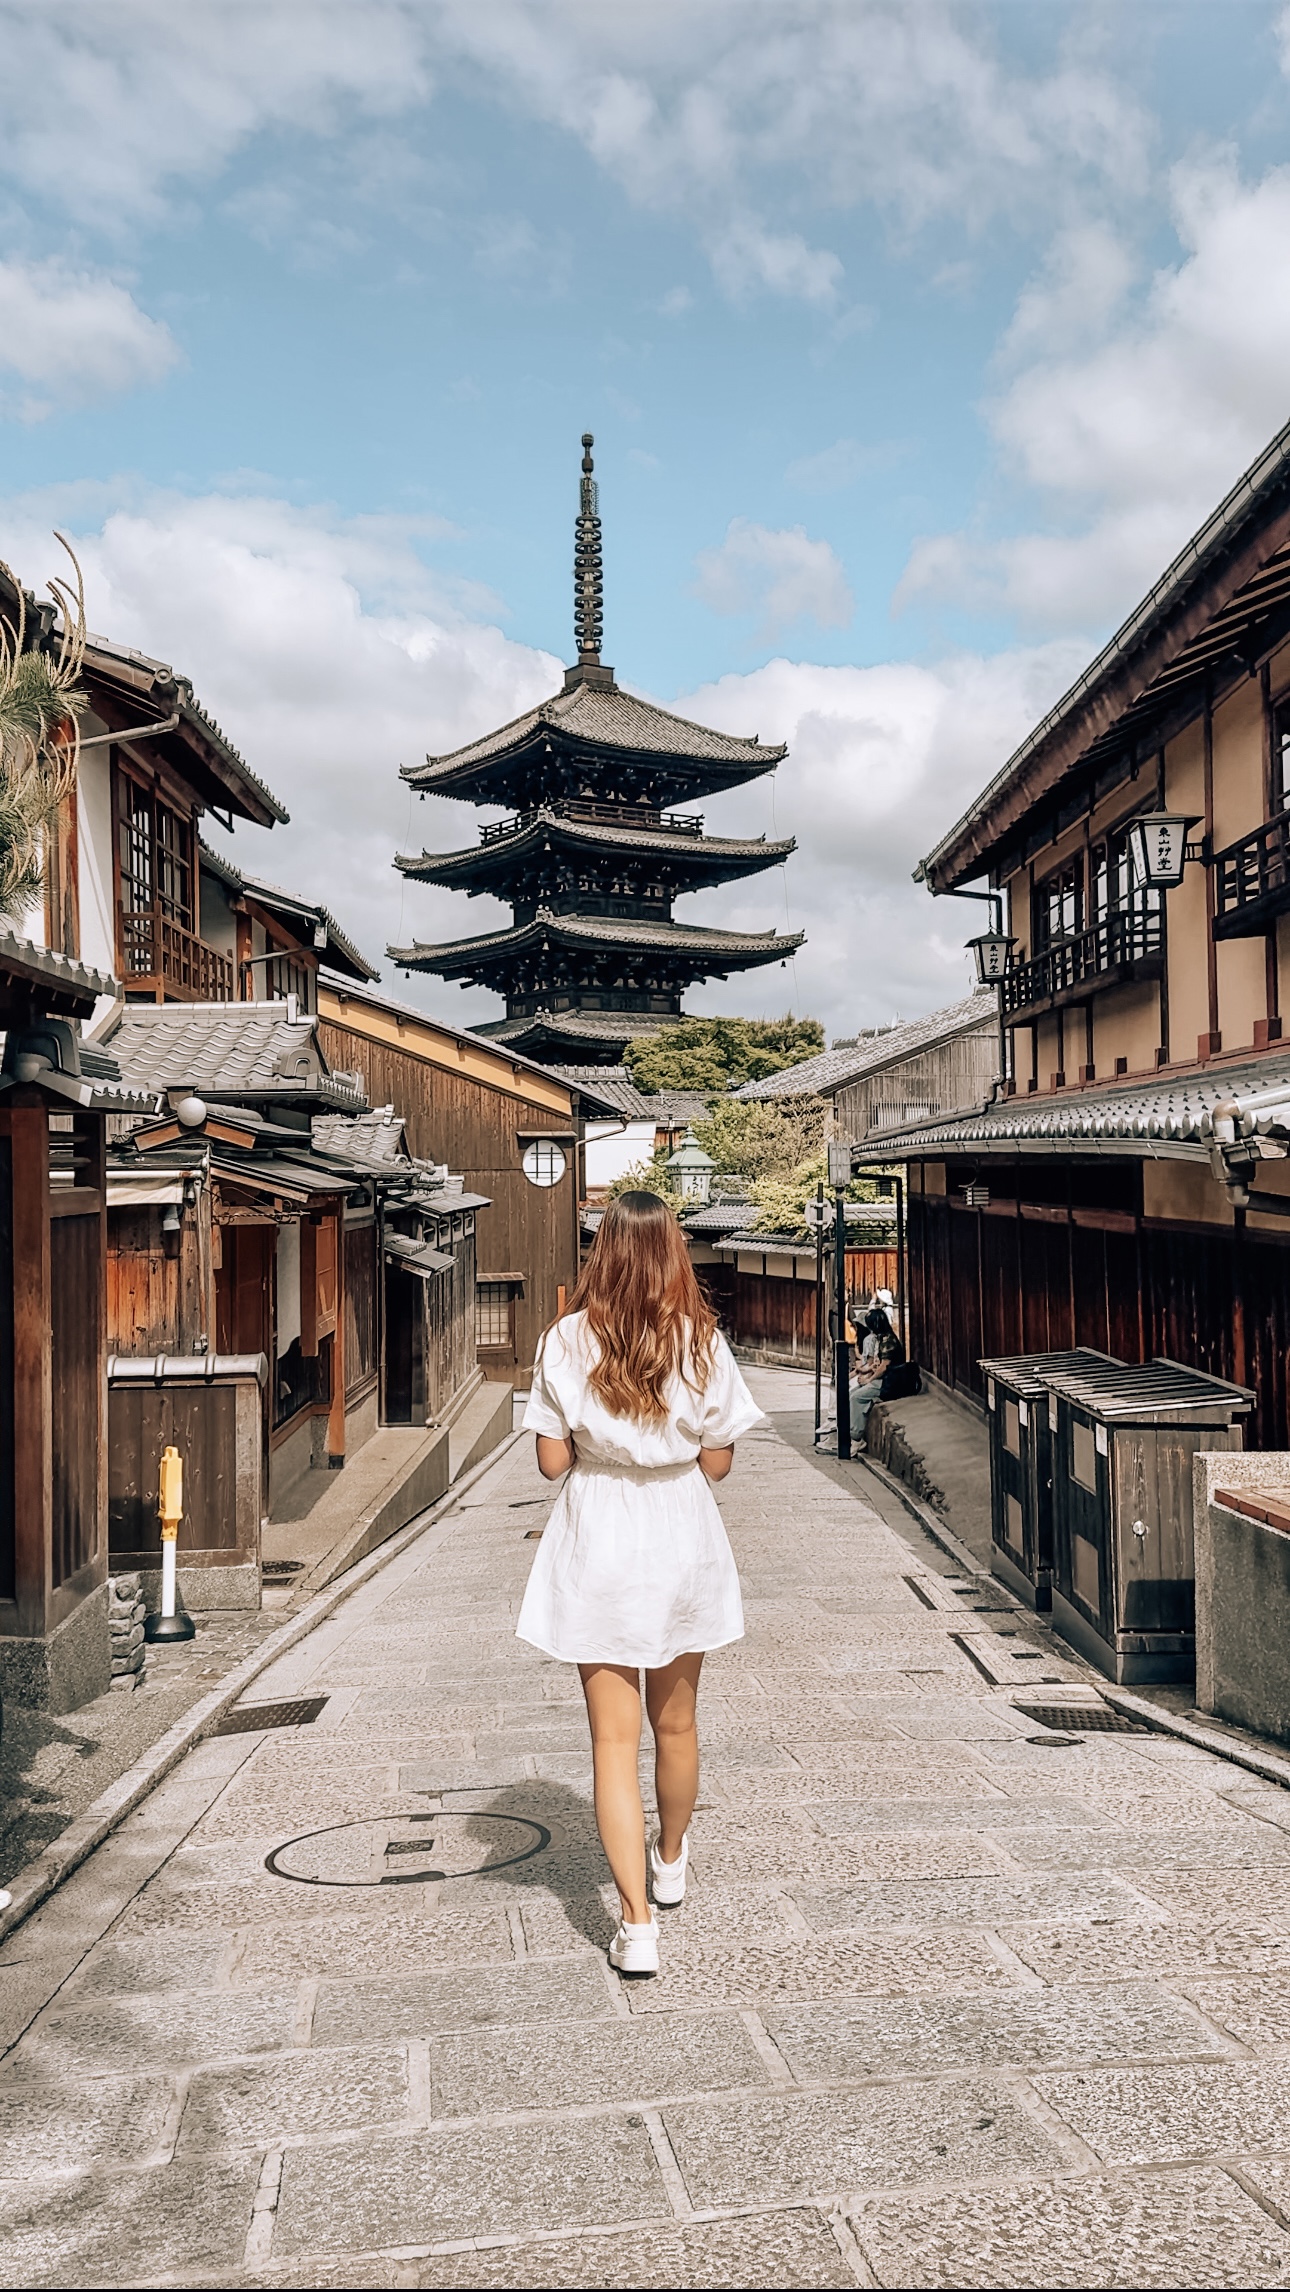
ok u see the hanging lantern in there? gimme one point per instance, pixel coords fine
(993, 952)
(1158, 844)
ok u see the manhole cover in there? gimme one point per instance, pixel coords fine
(408, 1849)
(249, 1718)
(1081, 1718)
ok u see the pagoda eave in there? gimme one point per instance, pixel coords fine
(691, 862)
(588, 935)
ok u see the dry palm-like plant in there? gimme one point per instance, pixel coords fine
(41, 700)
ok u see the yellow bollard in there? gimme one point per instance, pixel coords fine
(170, 1504)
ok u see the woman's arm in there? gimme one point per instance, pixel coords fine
(715, 1463)
(553, 1456)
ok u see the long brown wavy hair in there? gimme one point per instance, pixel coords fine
(643, 1305)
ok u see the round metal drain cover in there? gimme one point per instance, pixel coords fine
(408, 1849)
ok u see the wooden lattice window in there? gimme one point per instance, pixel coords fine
(1059, 905)
(493, 1318)
(156, 856)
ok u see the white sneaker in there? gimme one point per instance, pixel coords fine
(668, 1878)
(634, 1949)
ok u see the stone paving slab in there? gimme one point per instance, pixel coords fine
(1019, 2012)
(440, 2186)
(1177, 2229)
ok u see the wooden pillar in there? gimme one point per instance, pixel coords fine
(1238, 1298)
(27, 1121)
(336, 1413)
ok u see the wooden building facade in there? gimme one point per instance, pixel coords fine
(513, 1129)
(1129, 1186)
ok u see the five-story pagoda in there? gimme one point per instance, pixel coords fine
(591, 860)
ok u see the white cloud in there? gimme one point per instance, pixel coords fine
(735, 123)
(782, 576)
(1132, 424)
(69, 336)
(104, 110)
(881, 762)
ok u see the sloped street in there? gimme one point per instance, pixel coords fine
(954, 1999)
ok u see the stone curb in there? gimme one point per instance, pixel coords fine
(72, 1847)
(926, 1518)
(1265, 1764)
(1262, 1763)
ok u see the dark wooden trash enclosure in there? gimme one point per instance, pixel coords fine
(209, 1407)
(1021, 1473)
(1123, 1441)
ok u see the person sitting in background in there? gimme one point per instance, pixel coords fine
(872, 1369)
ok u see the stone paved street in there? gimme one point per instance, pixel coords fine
(947, 2005)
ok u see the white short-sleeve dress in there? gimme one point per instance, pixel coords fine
(635, 1566)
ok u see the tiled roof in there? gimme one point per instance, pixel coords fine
(717, 1218)
(832, 1070)
(676, 1106)
(1156, 1113)
(374, 1138)
(597, 930)
(750, 853)
(585, 1026)
(39, 967)
(601, 716)
(613, 1086)
(226, 1050)
(168, 690)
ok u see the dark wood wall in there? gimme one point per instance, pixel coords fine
(452, 1118)
(1028, 1276)
(776, 1313)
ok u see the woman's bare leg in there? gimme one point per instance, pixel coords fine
(614, 1709)
(670, 1697)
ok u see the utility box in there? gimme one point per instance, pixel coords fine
(1021, 1479)
(1123, 1440)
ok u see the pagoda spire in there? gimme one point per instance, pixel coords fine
(588, 570)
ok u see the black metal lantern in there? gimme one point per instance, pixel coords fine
(1158, 844)
(993, 952)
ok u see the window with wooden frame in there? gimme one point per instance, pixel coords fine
(494, 1316)
(1059, 905)
(156, 854)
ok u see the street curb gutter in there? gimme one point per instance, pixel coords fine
(927, 1519)
(1265, 1764)
(72, 1847)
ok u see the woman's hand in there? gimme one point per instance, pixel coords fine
(715, 1463)
(553, 1456)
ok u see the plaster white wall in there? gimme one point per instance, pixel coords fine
(94, 844)
(612, 1148)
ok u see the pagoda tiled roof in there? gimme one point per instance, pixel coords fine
(696, 939)
(576, 1028)
(601, 715)
(746, 855)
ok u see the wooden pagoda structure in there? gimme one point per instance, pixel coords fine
(590, 860)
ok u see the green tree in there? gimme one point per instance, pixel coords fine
(647, 1178)
(719, 1054)
(762, 1137)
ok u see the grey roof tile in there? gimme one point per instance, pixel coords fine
(223, 1049)
(1132, 1117)
(608, 717)
(847, 1062)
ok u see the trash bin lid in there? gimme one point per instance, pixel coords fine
(1025, 1374)
(1161, 1391)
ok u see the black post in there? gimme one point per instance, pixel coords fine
(900, 1264)
(842, 1351)
(819, 1299)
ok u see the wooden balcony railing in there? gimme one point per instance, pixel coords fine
(1252, 880)
(1130, 941)
(157, 952)
(602, 815)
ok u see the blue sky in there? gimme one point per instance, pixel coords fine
(915, 338)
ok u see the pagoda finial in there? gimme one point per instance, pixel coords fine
(588, 573)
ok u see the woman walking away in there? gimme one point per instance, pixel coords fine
(635, 1395)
